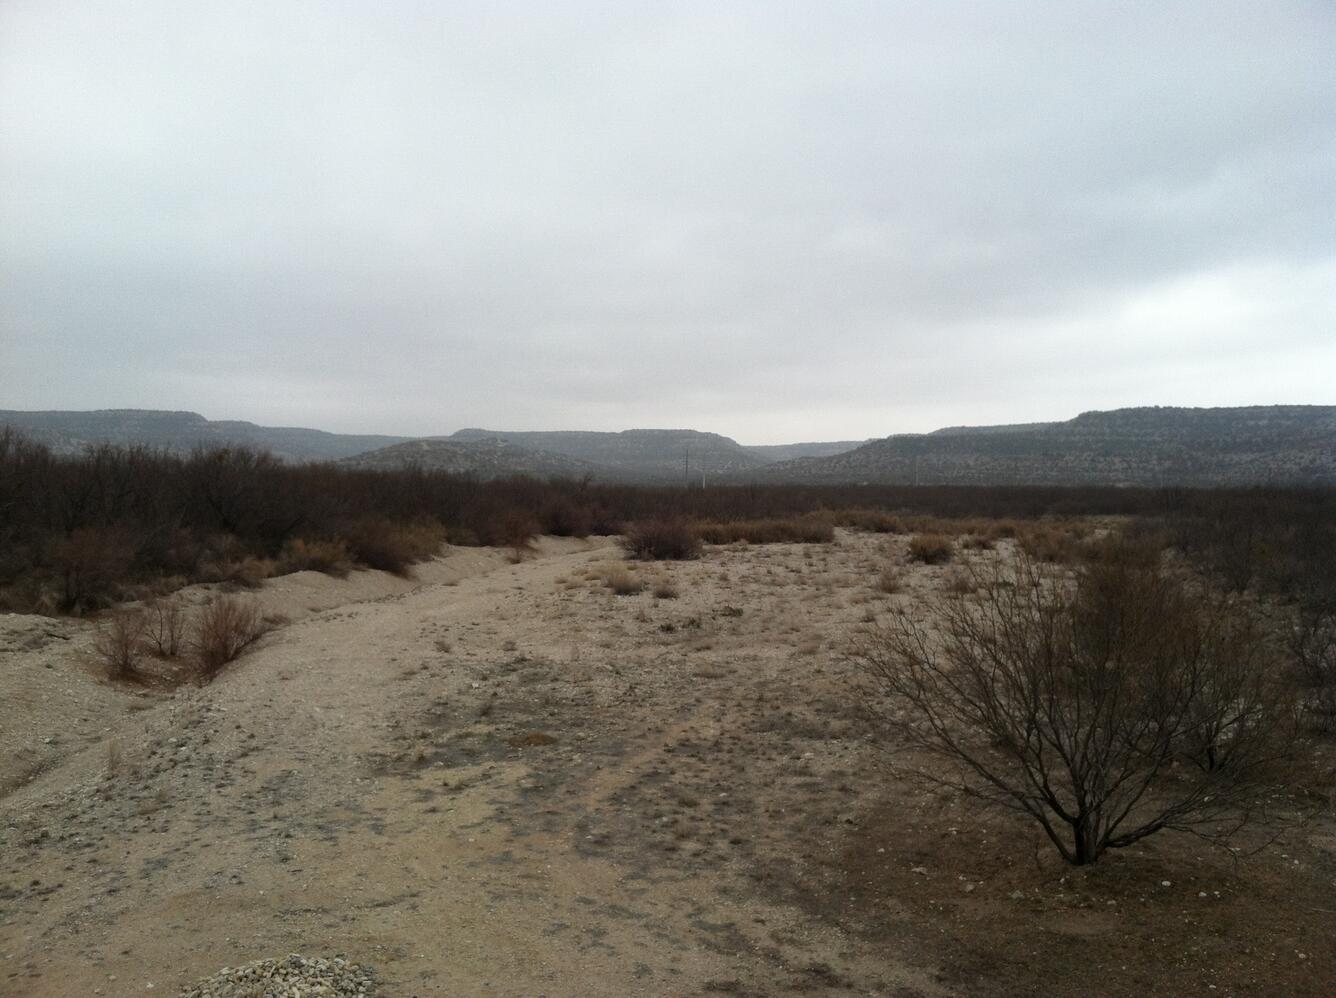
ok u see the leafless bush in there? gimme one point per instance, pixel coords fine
(117, 644)
(1105, 706)
(164, 627)
(664, 588)
(657, 540)
(1313, 650)
(91, 563)
(223, 628)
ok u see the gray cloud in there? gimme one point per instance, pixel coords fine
(774, 220)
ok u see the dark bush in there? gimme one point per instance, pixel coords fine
(931, 549)
(378, 542)
(812, 529)
(1105, 709)
(661, 540)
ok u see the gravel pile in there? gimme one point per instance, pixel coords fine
(290, 977)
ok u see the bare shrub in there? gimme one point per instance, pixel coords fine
(117, 643)
(1105, 706)
(664, 588)
(658, 540)
(931, 549)
(329, 557)
(164, 627)
(223, 628)
(90, 563)
(1313, 651)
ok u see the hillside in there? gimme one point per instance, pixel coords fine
(643, 455)
(1151, 446)
(70, 432)
(486, 458)
(770, 453)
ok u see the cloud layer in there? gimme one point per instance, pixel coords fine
(778, 221)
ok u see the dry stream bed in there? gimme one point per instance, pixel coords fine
(503, 779)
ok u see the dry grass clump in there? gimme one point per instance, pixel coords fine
(931, 549)
(1048, 543)
(377, 542)
(621, 581)
(664, 588)
(329, 557)
(960, 581)
(222, 630)
(890, 580)
(810, 529)
(661, 540)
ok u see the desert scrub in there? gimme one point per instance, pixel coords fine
(621, 581)
(661, 540)
(223, 629)
(931, 549)
(810, 529)
(118, 644)
(328, 557)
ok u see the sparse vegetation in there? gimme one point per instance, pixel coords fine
(812, 529)
(1105, 707)
(931, 549)
(223, 629)
(620, 580)
(164, 627)
(118, 644)
(658, 540)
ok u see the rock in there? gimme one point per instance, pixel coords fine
(289, 977)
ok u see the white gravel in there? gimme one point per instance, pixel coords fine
(292, 976)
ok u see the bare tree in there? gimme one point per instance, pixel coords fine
(1105, 704)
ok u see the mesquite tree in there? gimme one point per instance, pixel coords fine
(1106, 704)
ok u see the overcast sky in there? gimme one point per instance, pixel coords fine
(778, 221)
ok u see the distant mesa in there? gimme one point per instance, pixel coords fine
(70, 432)
(1151, 446)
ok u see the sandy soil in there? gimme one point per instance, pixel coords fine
(502, 779)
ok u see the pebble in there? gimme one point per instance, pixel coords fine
(293, 976)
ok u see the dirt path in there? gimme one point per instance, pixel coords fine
(447, 782)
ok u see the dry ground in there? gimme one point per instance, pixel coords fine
(506, 780)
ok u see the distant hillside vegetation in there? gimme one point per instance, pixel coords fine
(485, 459)
(1152, 446)
(180, 432)
(642, 455)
